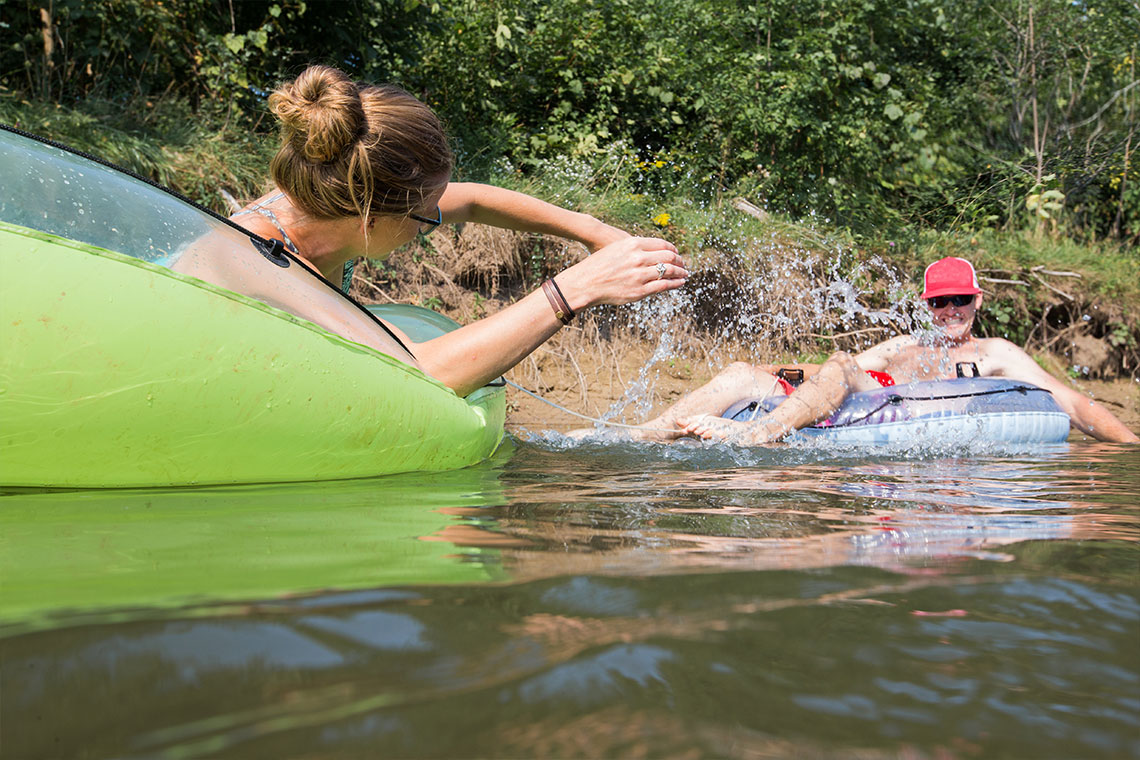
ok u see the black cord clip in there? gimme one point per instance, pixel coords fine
(961, 367)
(793, 377)
(274, 250)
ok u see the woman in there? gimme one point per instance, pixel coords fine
(362, 169)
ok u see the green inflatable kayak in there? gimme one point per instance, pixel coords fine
(147, 342)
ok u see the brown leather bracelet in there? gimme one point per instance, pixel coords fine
(562, 300)
(562, 310)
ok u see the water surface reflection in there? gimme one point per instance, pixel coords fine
(581, 514)
(598, 602)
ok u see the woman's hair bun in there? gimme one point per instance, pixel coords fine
(321, 114)
(350, 149)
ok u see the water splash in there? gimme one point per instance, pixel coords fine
(758, 287)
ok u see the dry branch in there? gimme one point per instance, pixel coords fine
(837, 336)
(358, 278)
(1041, 268)
(1058, 291)
(745, 206)
(1008, 282)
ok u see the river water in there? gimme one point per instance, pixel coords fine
(589, 601)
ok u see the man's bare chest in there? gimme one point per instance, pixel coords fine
(923, 362)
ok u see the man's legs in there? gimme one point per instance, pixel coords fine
(698, 413)
(739, 380)
(813, 401)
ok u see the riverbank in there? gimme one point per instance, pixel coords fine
(764, 287)
(780, 292)
(595, 383)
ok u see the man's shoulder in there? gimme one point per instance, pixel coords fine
(998, 347)
(1001, 357)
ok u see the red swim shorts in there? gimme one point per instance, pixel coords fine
(882, 378)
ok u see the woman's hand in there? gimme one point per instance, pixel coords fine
(621, 272)
(472, 356)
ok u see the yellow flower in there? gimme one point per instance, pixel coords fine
(662, 219)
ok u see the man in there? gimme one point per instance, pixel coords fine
(952, 292)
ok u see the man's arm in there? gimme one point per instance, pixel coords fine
(1002, 358)
(878, 358)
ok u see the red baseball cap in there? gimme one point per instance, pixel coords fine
(950, 277)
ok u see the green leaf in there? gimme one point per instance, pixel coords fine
(235, 42)
(893, 112)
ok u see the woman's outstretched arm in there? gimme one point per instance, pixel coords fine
(498, 207)
(626, 271)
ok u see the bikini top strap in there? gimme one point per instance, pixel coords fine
(261, 209)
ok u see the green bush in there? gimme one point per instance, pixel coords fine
(874, 116)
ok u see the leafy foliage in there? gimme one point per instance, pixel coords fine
(873, 115)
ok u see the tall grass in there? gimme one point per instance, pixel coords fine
(162, 141)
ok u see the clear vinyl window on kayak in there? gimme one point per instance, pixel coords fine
(51, 190)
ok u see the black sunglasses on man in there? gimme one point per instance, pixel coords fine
(940, 302)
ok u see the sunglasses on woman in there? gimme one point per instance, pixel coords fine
(940, 302)
(424, 220)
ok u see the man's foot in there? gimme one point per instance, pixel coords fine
(708, 426)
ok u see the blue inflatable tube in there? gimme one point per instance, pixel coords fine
(975, 408)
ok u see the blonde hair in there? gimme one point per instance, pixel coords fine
(350, 149)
